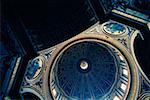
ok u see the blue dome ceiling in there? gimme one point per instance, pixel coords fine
(86, 70)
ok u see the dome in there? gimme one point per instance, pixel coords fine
(85, 70)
